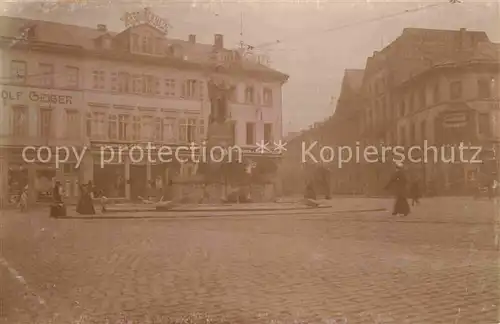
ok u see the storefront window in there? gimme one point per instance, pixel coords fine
(17, 179)
(44, 182)
(110, 179)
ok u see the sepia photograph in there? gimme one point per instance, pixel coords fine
(249, 162)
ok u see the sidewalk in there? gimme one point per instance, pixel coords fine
(179, 208)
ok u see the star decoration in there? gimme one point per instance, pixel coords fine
(262, 147)
(280, 147)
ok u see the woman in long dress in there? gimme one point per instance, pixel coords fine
(398, 184)
(85, 204)
(57, 209)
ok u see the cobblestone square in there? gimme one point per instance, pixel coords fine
(438, 265)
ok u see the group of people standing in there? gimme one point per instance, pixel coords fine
(85, 205)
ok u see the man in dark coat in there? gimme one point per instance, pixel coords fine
(397, 185)
(415, 193)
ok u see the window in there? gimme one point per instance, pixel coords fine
(170, 87)
(250, 138)
(98, 125)
(157, 87)
(72, 75)
(45, 123)
(423, 130)
(46, 75)
(148, 84)
(88, 125)
(136, 128)
(402, 109)
(187, 130)
(157, 131)
(72, 124)
(233, 95)
(249, 95)
(484, 126)
(168, 130)
(123, 82)
(268, 133)
(484, 88)
(182, 130)
(413, 134)
(190, 89)
(422, 99)
(411, 102)
(191, 130)
(106, 43)
(99, 80)
(112, 127)
(137, 86)
(402, 135)
(123, 127)
(158, 46)
(201, 129)
(268, 97)
(147, 127)
(455, 90)
(233, 132)
(18, 71)
(202, 90)
(135, 43)
(114, 81)
(147, 44)
(20, 121)
(436, 95)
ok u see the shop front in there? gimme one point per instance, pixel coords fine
(110, 180)
(38, 177)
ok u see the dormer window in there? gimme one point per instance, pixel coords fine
(159, 46)
(106, 43)
(135, 43)
(147, 44)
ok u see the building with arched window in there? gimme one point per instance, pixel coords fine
(98, 91)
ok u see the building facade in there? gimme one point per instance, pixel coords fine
(427, 88)
(99, 93)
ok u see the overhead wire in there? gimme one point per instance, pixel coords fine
(356, 23)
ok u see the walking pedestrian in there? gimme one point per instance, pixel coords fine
(23, 199)
(85, 204)
(397, 185)
(415, 193)
(310, 192)
(57, 209)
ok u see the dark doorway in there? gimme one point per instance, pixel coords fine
(138, 181)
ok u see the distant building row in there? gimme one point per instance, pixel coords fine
(437, 85)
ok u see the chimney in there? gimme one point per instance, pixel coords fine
(463, 39)
(219, 41)
(102, 27)
(192, 39)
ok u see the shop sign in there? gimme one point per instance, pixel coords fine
(36, 96)
(455, 120)
(145, 17)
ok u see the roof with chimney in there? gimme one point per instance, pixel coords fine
(418, 49)
(86, 38)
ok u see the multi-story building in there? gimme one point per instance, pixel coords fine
(438, 86)
(85, 88)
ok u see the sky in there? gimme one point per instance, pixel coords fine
(318, 39)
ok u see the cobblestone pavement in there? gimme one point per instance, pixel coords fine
(438, 265)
